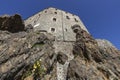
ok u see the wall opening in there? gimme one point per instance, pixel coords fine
(76, 20)
(42, 30)
(75, 28)
(67, 17)
(55, 12)
(45, 11)
(66, 29)
(54, 19)
(35, 22)
(52, 29)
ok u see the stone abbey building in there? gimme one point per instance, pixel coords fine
(56, 22)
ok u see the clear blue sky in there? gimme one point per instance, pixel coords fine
(101, 17)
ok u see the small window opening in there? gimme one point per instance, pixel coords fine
(35, 22)
(52, 29)
(67, 17)
(76, 20)
(45, 11)
(55, 12)
(75, 28)
(54, 19)
(66, 30)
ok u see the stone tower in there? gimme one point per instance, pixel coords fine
(56, 22)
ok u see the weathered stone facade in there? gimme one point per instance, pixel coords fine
(56, 22)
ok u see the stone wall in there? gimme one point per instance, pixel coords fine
(56, 22)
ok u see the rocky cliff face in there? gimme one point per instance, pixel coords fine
(26, 54)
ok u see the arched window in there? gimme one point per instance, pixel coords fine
(75, 28)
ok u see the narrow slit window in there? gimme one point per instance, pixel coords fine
(76, 20)
(66, 12)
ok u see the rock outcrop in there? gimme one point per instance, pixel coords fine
(107, 48)
(20, 51)
(11, 23)
(91, 62)
(28, 54)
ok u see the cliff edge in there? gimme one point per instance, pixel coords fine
(30, 54)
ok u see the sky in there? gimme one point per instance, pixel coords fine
(101, 17)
